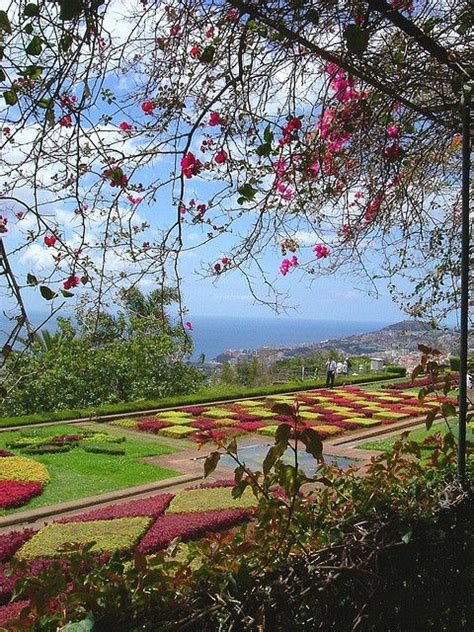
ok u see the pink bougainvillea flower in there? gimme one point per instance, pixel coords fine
(210, 32)
(294, 124)
(215, 119)
(188, 326)
(287, 264)
(50, 240)
(314, 168)
(225, 261)
(373, 208)
(321, 251)
(65, 121)
(392, 151)
(174, 31)
(19, 215)
(217, 268)
(195, 51)
(393, 131)
(125, 127)
(72, 281)
(220, 157)
(232, 15)
(182, 210)
(190, 165)
(6, 131)
(148, 107)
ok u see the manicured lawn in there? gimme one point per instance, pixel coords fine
(78, 474)
(415, 435)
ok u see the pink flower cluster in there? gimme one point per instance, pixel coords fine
(321, 251)
(190, 165)
(293, 125)
(287, 264)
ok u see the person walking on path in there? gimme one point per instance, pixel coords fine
(330, 372)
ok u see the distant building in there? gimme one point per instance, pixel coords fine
(376, 364)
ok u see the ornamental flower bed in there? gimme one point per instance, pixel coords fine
(145, 526)
(328, 411)
(17, 493)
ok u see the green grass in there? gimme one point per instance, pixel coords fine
(79, 474)
(201, 397)
(415, 435)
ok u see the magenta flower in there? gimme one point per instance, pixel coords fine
(188, 326)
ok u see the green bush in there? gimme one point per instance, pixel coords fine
(398, 370)
(48, 448)
(78, 373)
(102, 448)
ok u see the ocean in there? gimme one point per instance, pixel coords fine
(213, 335)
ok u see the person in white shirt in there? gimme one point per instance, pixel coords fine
(331, 367)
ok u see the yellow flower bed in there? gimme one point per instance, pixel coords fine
(17, 468)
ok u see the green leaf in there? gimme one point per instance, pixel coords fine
(448, 409)
(268, 134)
(2, 75)
(86, 625)
(66, 41)
(406, 537)
(239, 489)
(272, 455)
(67, 294)
(211, 462)
(31, 279)
(313, 16)
(207, 54)
(70, 9)
(45, 103)
(430, 417)
(264, 150)
(5, 23)
(313, 443)
(283, 409)
(10, 97)
(356, 38)
(47, 292)
(31, 10)
(28, 29)
(247, 192)
(35, 46)
(282, 433)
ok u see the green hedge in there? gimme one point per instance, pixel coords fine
(200, 397)
(399, 370)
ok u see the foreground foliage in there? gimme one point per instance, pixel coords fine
(335, 551)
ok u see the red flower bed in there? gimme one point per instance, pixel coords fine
(153, 426)
(154, 506)
(11, 611)
(7, 584)
(250, 426)
(172, 526)
(242, 417)
(12, 541)
(195, 410)
(6, 453)
(17, 493)
(203, 424)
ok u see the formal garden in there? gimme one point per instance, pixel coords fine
(235, 157)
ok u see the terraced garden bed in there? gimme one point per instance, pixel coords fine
(57, 464)
(145, 526)
(330, 412)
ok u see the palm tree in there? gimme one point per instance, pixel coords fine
(44, 340)
(152, 306)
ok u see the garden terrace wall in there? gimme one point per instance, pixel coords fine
(196, 398)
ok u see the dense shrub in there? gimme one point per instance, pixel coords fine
(77, 372)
